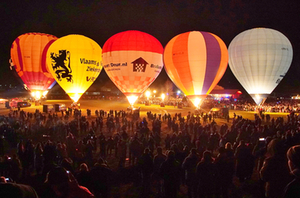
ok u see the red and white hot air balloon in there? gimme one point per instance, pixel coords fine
(132, 60)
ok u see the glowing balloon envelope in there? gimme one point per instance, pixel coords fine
(196, 61)
(259, 58)
(132, 60)
(27, 55)
(75, 63)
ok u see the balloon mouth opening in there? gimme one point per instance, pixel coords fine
(132, 99)
(163, 96)
(75, 97)
(36, 95)
(197, 100)
(148, 94)
(259, 99)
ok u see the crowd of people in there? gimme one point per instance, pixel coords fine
(67, 154)
(270, 105)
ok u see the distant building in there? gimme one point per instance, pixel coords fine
(219, 92)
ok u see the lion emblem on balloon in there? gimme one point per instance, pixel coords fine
(61, 65)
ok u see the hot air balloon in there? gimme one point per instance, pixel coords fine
(195, 61)
(27, 57)
(259, 58)
(75, 63)
(132, 60)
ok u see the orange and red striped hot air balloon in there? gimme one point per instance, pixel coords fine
(132, 60)
(28, 53)
(196, 61)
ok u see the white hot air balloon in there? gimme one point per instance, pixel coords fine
(259, 58)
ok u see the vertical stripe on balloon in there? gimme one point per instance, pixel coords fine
(213, 60)
(197, 56)
(179, 55)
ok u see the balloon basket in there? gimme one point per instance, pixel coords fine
(75, 105)
(131, 108)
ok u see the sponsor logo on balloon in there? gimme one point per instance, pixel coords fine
(92, 79)
(61, 65)
(115, 65)
(93, 69)
(156, 66)
(35, 82)
(89, 62)
(139, 65)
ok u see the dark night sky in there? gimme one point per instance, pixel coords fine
(163, 19)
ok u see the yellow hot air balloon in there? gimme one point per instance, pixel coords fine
(75, 62)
